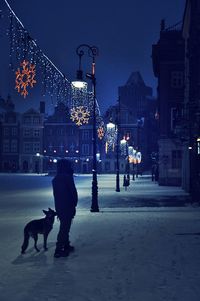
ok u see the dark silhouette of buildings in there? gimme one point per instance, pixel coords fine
(176, 64)
(168, 66)
(135, 115)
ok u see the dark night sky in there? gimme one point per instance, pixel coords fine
(124, 32)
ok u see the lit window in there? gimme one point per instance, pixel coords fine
(198, 146)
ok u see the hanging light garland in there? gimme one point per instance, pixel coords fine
(23, 47)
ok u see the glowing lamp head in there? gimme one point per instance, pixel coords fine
(110, 126)
(79, 84)
(123, 141)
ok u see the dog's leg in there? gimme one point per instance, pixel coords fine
(35, 237)
(25, 243)
(45, 241)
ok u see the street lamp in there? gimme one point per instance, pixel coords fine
(112, 137)
(124, 145)
(117, 146)
(92, 52)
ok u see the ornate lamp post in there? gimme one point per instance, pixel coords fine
(118, 147)
(92, 52)
(124, 146)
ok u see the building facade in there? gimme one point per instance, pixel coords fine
(191, 119)
(168, 67)
(134, 115)
(31, 141)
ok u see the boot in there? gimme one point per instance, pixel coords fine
(61, 253)
(68, 248)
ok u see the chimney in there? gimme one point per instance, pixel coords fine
(42, 107)
(162, 25)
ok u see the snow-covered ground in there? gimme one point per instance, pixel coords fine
(127, 254)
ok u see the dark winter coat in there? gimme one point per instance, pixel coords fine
(65, 195)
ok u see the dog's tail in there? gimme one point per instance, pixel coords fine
(26, 241)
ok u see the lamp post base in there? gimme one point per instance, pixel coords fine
(94, 206)
(117, 183)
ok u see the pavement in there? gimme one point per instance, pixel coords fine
(142, 192)
(125, 252)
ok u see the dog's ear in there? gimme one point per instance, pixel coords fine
(45, 212)
(50, 209)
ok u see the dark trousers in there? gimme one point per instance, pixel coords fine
(63, 234)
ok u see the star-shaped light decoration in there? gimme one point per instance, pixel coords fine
(25, 77)
(100, 132)
(80, 115)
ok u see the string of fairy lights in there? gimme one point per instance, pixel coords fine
(30, 59)
(30, 65)
(28, 62)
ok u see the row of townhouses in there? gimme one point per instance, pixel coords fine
(32, 141)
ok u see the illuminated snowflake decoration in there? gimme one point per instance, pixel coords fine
(25, 77)
(80, 115)
(100, 132)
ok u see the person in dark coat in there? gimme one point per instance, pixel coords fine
(65, 198)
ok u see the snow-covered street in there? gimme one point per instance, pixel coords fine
(122, 253)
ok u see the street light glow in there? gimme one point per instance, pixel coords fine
(110, 125)
(79, 84)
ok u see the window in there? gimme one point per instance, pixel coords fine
(36, 147)
(27, 132)
(198, 146)
(85, 149)
(176, 116)
(14, 131)
(176, 79)
(36, 133)
(71, 131)
(176, 159)
(36, 120)
(13, 147)
(85, 135)
(6, 146)
(6, 131)
(27, 147)
(173, 118)
(60, 132)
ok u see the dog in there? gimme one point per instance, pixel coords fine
(39, 226)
